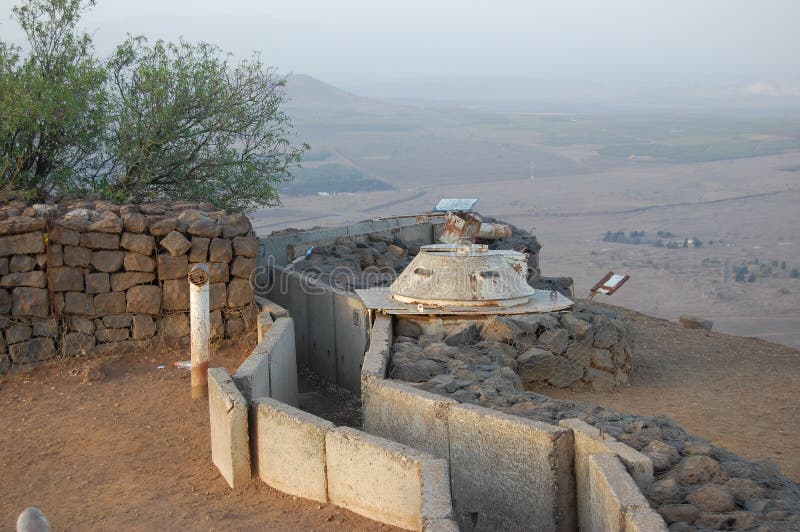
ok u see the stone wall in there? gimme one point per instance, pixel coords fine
(84, 275)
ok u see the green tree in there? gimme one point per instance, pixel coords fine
(188, 124)
(52, 101)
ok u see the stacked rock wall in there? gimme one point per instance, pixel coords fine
(87, 275)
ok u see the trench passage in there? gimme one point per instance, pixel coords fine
(327, 400)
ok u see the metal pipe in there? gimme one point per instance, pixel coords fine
(200, 319)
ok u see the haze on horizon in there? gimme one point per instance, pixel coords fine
(462, 50)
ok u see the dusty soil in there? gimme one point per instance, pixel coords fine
(739, 393)
(115, 443)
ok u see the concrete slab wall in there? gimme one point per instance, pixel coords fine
(384, 480)
(351, 324)
(230, 448)
(615, 502)
(509, 473)
(401, 413)
(321, 332)
(282, 361)
(376, 359)
(252, 376)
(290, 449)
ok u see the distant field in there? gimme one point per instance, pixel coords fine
(331, 178)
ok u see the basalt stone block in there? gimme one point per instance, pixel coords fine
(58, 302)
(220, 250)
(112, 335)
(134, 222)
(124, 280)
(217, 325)
(144, 299)
(175, 243)
(17, 333)
(144, 244)
(21, 244)
(34, 350)
(48, 328)
(555, 340)
(21, 263)
(62, 235)
(234, 225)
(81, 325)
(5, 301)
(170, 267)
(100, 240)
(217, 295)
(199, 250)
(20, 224)
(97, 283)
(36, 279)
(110, 303)
(240, 293)
(174, 325)
(4, 266)
(246, 246)
(55, 255)
(107, 223)
(66, 279)
(117, 321)
(234, 327)
(244, 266)
(218, 272)
(163, 227)
(205, 227)
(77, 343)
(187, 217)
(142, 327)
(107, 261)
(136, 262)
(175, 295)
(41, 261)
(78, 303)
(77, 256)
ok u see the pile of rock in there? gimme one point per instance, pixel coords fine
(588, 346)
(697, 486)
(87, 274)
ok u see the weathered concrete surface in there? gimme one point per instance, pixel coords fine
(384, 480)
(401, 413)
(509, 473)
(376, 359)
(252, 376)
(290, 449)
(644, 520)
(265, 321)
(588, 440)
(230, 448)
(613, 494)
(282, 361)
(275, 310)
(352, 336)
(321, 334)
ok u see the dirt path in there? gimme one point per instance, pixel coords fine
(127, 449)
(741, 393)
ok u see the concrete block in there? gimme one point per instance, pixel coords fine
(275, 310)
(230, 447)
(265, 321)
(298, 308)
(321, 335)
(282, 361)
(384, 480)
(644, 520)
(510, 473)
(290, 449)
(376, 359)
(252, 376)
(351, 329)
(440, 525)
(612, 492)
(404, 414)
(588, 440)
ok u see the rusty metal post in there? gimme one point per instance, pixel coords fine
(200, 318)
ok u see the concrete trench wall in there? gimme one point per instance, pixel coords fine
(255, 431)
(508, 472)
(331, 326)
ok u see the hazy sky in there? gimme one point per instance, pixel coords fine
(346, 40)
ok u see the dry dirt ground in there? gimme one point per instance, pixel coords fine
(739, 393)
(115, 443)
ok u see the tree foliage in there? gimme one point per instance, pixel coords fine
(52, 101)
(176, 120)
(187, 124)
